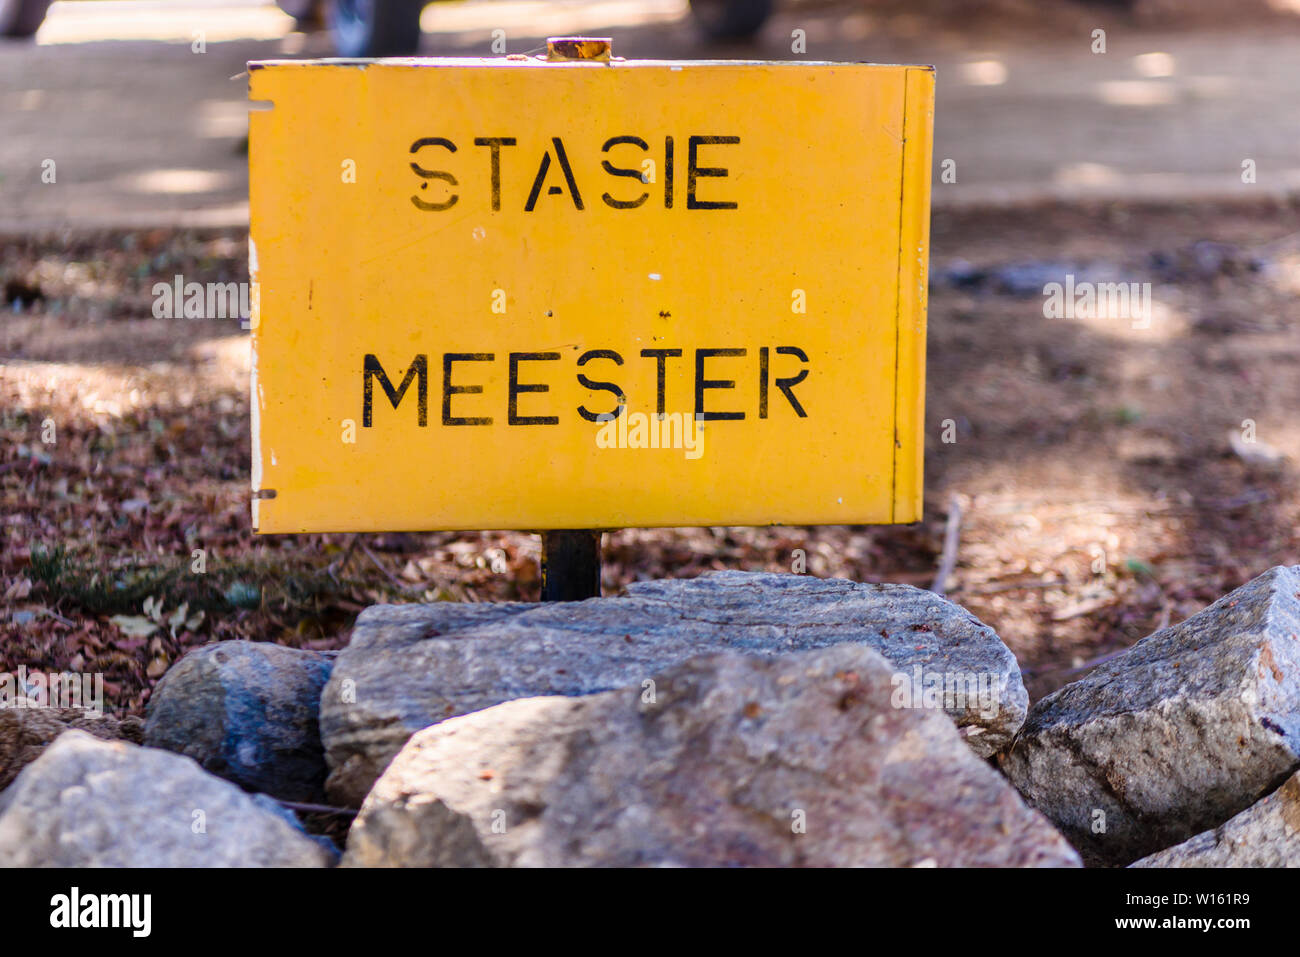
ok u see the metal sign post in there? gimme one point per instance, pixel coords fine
(570, 565)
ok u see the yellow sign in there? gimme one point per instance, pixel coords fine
(524, 294)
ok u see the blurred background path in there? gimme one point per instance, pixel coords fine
(145, 131)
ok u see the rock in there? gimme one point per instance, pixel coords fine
(26, 732)
(1266, 834)
(725, 759)
(416, 832)
(246, 711)
(1185, 729)
(91, 803)
(410, 666)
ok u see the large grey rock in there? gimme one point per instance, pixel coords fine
(92, 803)
(725, 759)
(410, 666)
(25, 733)
(248, 712)
(1266, 834)
(1185, 729)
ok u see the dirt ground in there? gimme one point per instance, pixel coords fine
(1093, 462)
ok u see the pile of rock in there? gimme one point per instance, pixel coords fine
(734, 719)
(1187, 728)
(410, 666)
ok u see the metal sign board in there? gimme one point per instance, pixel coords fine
(512, 293)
